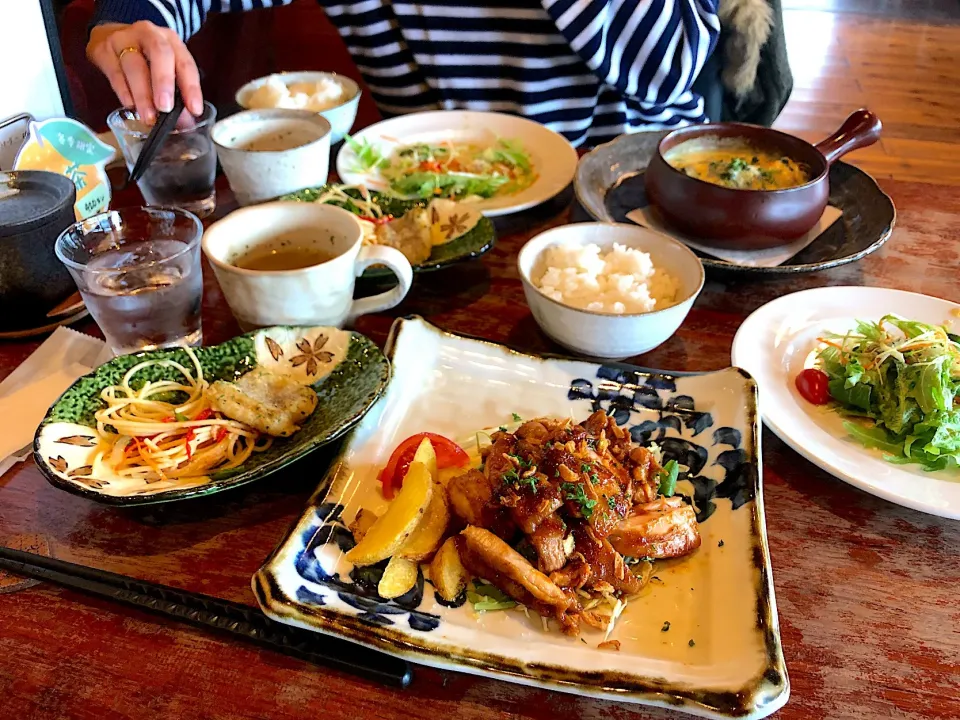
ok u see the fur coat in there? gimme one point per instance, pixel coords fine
(754, 70)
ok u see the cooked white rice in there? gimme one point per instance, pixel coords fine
(315, 96)
(620, 281)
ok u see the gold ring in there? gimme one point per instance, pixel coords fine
(126, 50)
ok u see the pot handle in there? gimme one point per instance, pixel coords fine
(859, 130)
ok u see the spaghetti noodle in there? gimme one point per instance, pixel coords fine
(167, 429)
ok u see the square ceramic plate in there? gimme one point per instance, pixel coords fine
(702, 637)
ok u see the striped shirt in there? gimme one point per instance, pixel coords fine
(589, 69)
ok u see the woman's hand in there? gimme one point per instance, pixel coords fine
(142, 63)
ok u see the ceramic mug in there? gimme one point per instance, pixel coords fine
(268, 153)
(319, 294)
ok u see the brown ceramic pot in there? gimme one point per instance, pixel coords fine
(752, 219)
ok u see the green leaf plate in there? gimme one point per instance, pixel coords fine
(468, 246)
(346, 369)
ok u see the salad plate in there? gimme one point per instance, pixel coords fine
(780, 339)
(702, 637)
(346, 370)
(411, 156)
(610, 183)
(465, 234)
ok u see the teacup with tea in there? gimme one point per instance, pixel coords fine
(292, 263)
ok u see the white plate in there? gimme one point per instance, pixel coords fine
(552, 156)
(720, 597)
(776, 342)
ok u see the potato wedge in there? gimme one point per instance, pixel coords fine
(447, 573)
(428, 456)
(388, 533)
(399, 578)
(362, 523)
(424, 541)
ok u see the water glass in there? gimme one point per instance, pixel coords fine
(182, 172)
(138, 270)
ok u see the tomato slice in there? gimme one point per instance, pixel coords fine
(449, 454)
(814, 386)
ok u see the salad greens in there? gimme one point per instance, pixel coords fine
(448, 170)
(905, 376)
(368, 156)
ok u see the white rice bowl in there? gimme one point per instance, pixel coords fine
(620, 281)
(317, 95)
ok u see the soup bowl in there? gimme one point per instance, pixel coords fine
(269, 153)
(736, 219)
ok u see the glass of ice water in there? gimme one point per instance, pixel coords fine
(182, 172)
(138, 270)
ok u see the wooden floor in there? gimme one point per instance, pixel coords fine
(906, 70)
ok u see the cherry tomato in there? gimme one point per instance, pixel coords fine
(812, 384)
(449, 454)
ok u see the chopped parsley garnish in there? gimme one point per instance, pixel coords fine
(524, 464)
(733, 167)
(576, 493)
(512, 477)
(594, 478)
(668, 478)
(517, 418)
(666, 626)
(586, 467)
(503, 428)
(611, 502)
(720, 544)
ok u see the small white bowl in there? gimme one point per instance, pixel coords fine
(341, 117)
(257, 173)
(605, 335)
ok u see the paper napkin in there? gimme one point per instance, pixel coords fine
(29, 391)
(648, 218)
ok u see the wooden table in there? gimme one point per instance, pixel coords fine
(867, 591)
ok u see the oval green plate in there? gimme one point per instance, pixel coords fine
(346, 369)
(468, 246)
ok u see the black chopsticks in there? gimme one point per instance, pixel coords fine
(158, 135)
(214, 614)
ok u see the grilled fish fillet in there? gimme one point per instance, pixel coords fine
(273, 404)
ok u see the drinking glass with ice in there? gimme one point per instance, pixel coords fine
(138, 270)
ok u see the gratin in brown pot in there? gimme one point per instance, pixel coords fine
(752, 219)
